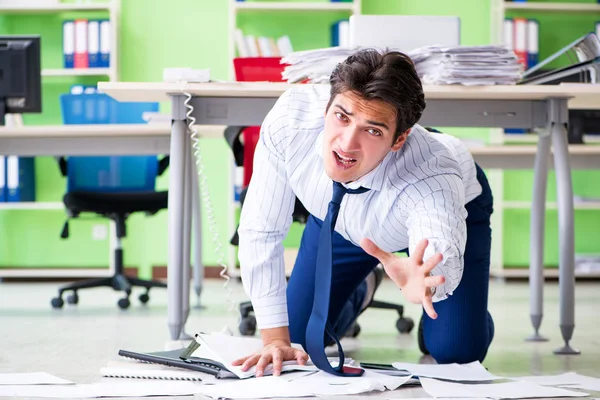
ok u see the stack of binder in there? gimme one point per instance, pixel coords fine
(17, 174)
(86, 43)
(522, 36)
(17, 179)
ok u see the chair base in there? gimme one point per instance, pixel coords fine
(119, 282)
(403, 324)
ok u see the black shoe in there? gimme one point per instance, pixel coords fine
(421, 338)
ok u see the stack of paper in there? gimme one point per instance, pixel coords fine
(314, 66)
(465, 65)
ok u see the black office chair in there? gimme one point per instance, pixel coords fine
(300, 214)
(116, 205)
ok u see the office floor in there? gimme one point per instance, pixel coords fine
(75, 342)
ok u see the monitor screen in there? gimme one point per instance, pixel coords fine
(20, 74)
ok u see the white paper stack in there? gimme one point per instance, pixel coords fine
(313, 65)
(465, 65)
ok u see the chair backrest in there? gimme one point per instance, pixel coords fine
(107, 173)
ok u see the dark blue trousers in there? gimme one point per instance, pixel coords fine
(463, 329)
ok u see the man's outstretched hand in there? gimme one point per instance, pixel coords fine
(412, 274)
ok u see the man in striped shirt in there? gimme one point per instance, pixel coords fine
(426, 196)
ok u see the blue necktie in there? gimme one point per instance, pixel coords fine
(317, 323)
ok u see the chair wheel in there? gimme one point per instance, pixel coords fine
(123, 303)
(405, 325)
(248, 326)
(144, 298)
(73, 298)
(57, 302)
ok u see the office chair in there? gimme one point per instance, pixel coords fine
(112, 187)
(243, 153)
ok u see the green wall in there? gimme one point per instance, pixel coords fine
(155, 34)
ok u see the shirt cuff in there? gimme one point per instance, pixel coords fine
(271, 312)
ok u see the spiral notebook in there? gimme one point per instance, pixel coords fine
(172, 358)
(143, 370)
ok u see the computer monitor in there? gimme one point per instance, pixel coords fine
(20, 75)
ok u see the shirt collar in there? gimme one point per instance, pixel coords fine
(373, 180)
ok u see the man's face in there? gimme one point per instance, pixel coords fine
(358, 135)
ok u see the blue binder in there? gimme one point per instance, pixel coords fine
(68, 44)
(2, 179)
(105, 44)
(94, 44)
(20, 179)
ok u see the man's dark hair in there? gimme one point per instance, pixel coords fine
(389, 76)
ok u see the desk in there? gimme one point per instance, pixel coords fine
(246, 103)
(113, 139)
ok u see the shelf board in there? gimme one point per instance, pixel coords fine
(533, 138)
(293, 6)
(59, 7)
(551, 205)
(76, 72)
(564, 7)
(32, 205)
(55, 272)
(548, 273)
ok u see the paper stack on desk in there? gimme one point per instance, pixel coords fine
(313, 65)
(465, 65)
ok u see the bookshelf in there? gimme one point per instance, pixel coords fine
(110, 7)
(559, 24)
(284, 18)
(45, 18)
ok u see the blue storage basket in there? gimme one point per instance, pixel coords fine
(107, 173)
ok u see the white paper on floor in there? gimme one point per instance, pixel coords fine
(471, 372)
(567, 379)
(509, 390)
(122, 388)
(253, 388)
(32, 378)
(324, 384)
(303, 385)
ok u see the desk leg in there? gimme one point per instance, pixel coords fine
(175, 212)
(187, 223)
(197, 232)
(566, 232)
(536, 245)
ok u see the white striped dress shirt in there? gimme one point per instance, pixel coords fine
(417, 192)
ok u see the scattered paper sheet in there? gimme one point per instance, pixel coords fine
(302, 384)
(472, 372)
(586, 383)
(569, 378)
(510, 390)
(103, 389)
(253, 388)
(324, 384)
(32, 378)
